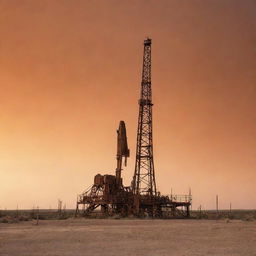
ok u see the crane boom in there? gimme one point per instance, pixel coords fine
(122, 150)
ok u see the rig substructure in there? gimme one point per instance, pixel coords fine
(141, 198)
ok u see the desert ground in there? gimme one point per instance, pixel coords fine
(135, 237)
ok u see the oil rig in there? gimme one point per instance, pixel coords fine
(141, 199)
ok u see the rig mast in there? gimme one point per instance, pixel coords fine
(141, 198)
(144, 175)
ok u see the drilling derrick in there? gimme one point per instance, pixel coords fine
(144, 175)
(141, 199)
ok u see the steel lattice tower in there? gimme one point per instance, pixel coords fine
(144, 174)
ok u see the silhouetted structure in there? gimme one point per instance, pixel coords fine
(141, 198)
(144, 176)
(108, 190)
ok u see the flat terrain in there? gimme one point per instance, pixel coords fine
(107, 237)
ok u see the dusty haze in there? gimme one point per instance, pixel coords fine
(70, 70)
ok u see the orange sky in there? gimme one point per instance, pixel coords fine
(70, 70)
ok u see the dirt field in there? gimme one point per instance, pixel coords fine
(107, 237)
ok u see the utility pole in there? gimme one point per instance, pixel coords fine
(217, 204)
(17, 212)
(59, 206)
(37, 216)
(144, 175)
(190, 198)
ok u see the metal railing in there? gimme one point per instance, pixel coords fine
(180, 198)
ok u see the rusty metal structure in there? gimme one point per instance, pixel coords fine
(141, 198)
(144, 176)
(108, 191)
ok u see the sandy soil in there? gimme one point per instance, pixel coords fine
(129, 237)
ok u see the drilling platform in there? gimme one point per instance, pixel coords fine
(141, 199)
